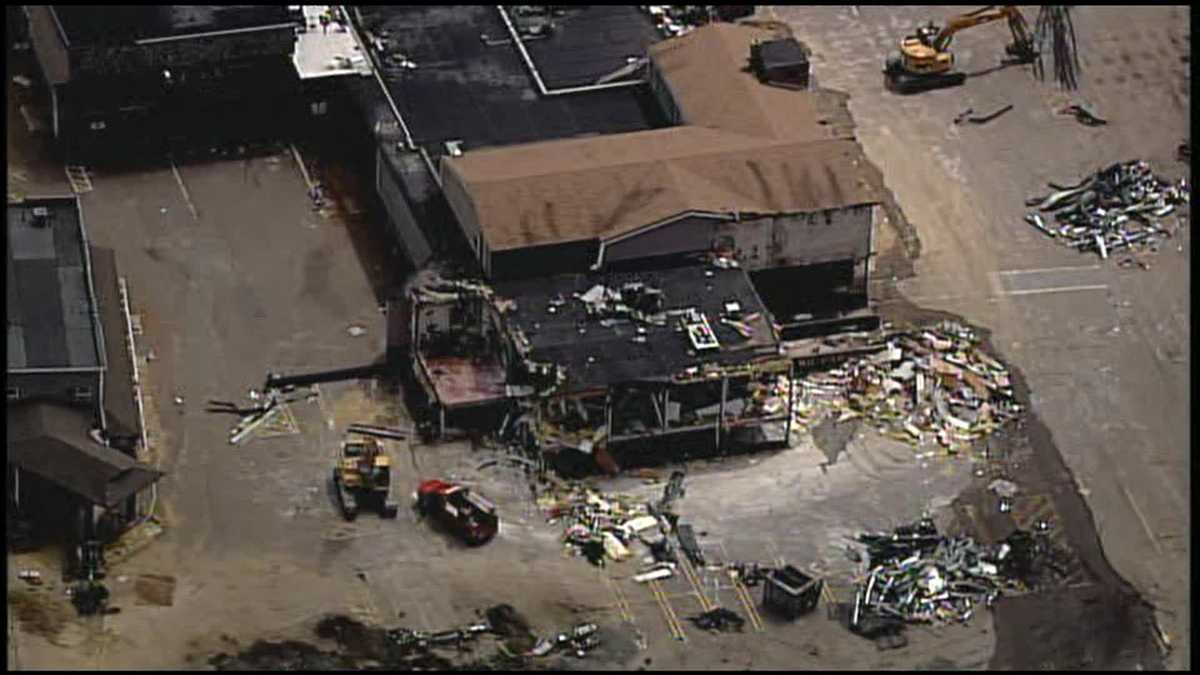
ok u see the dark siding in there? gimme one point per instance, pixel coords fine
(537, 261)
(54, 386)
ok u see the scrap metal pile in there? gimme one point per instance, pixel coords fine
(1119, 207)
(920, 576)
(263, 410)
(927, 384)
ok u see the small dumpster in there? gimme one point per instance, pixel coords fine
(789, 593)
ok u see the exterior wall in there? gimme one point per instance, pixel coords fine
(123, 60)
(407, 231)
(759, 242)
(459, 199)
(48, 44)
(809, 238)
(689, 234)
(55, 386)
(538, 261)
(664, 97)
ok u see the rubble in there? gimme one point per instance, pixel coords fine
(676, 20)
(927, 384)
(1118, 208)
(602, 526)
(1084, 113)
(917, 575)
(719, 619)
(90, 597)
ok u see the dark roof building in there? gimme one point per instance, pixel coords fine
(112, 24)
(470, 83)
(53, 322)
(52, 441)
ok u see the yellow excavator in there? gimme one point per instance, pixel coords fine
(925, 61)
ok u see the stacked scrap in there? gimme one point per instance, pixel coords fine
(927, 384)
(676, 20)
(1117, 207)
(600, 526)
(919, 576)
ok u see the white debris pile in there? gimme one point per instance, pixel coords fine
(930, 384)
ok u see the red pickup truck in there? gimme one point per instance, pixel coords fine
(470, 516)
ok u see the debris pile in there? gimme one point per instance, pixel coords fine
(927, 384)
(601, 527)
(90, 597)
(920, 576)
(263, 410)
(676, 20)
(719, 619)
(1118, 207)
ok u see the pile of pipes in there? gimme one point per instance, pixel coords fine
(1117, 207)
(1054, 25)
(927, 384)
(919, 576)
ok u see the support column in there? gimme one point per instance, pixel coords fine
(608, 417)
(791, 402)
(721, 412)
(666, 409)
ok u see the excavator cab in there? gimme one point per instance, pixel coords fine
(925, 62)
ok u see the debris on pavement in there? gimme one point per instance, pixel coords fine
(984, 119)
(927, 384)
(90, 597)
(602, 526)
(1004, 488)
(31, 577)
(920, 576)
(1117, 208)
(720, 620)
(749, 573)
(1084, 114)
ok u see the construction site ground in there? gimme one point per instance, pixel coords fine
(232, 272)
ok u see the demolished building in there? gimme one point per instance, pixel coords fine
(653, 283)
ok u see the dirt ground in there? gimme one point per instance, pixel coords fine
(1108, 367)
(255, 279)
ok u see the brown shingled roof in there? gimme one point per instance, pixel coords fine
(708, 73)
(746, 147)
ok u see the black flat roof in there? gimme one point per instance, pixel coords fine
(109, 24)
(784, 52)
(617, 358)
(51, 321)
(465, 89)
(589, 42)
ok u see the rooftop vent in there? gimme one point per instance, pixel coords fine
(41, 216)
